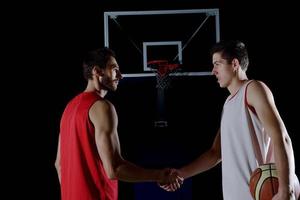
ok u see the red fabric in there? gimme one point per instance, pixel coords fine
(82, 173)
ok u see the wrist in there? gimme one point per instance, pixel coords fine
(159, 176)
(183, 173)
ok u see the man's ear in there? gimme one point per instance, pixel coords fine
(235, 63)
(97, 71)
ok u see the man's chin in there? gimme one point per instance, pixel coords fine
(110, 87)
(114, 88)
(222, 85)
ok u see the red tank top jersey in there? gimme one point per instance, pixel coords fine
(82, 173)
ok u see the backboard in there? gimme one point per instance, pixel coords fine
(179, 36)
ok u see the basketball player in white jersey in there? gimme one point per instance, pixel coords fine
(251, 131)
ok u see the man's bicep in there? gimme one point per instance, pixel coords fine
(106, 137)
(102, 115)
(108, 150)
(105, 146)
(262, 100)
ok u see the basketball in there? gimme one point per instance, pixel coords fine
(264, 182)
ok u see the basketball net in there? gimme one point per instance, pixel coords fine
(163, 71)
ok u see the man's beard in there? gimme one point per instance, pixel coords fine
(107, 85)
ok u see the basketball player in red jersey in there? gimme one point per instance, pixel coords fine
(89, 161)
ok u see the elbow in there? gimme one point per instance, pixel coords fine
(216, 155)
(282, 139)
(218, 158)
(112, 175)
(57, 165)
(116, 171)
(287, 140)
(113, 172)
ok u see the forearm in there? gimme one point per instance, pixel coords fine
(284, 159)
(203, 163)
(129, 172)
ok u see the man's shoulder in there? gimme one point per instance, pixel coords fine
(103, 103)
(257, 85)
(258, 91)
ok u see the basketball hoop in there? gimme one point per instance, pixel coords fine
(163, 69)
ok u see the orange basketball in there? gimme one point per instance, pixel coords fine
(264, 182)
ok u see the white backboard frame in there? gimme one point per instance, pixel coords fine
(114, 14)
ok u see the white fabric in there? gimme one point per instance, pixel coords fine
(238, 126)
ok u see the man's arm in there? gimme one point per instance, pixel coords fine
(57, 161)
(205, 161)
(104, 118)
(261, 99)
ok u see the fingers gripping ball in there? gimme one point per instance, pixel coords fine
(264, 182)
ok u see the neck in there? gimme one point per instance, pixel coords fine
(95, 87)
(237, 82)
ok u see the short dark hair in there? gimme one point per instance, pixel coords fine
(97, 57)
(232, 49)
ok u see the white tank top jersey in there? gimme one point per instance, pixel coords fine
(239, 125)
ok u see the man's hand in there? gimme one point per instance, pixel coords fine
(172, 180)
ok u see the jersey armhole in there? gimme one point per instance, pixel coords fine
(246, 101)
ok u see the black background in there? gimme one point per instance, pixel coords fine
(46, 42)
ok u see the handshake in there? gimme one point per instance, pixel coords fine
(170, 180)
